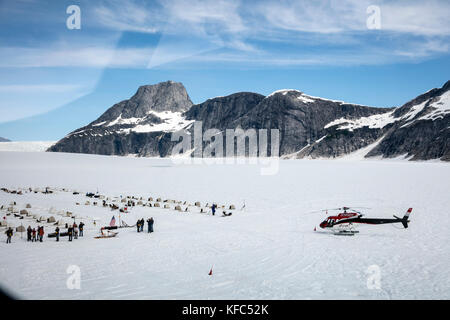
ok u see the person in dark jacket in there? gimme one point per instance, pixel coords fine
(33, 232)
(37, 233)
(29, 233)
(70, 232)
(9, 234)
(213, 209)
(57, 233)
(138, 225)
(81, 228)
(142, 224)
(150, 223)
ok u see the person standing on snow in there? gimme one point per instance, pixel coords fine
(70, 232)
(37, 233)
(9, 234)
(138, 225)
(75, 231)
(33, 238)
(213, 209)
(150, 225)
(29, 233)
(57, 233)
(41, 234)
(81, 228)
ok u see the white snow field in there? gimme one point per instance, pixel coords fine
(26, 146)
(269, 250)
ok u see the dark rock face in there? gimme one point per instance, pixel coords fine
(422, 140)
(309, 126)
(222, 111)
(423, 131)
(301, 120)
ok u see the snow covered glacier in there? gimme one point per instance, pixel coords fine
(268, 250)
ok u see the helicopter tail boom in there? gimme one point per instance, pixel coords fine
(405, 220)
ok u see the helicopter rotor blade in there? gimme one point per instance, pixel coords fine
(342, 208)
(323, 210)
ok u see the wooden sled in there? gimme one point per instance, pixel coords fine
(109, 234)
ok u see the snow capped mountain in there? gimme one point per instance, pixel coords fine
(421, 129)
(128, 125)
(310, 127)
(433, 108)
(3, 140)
(153, 108)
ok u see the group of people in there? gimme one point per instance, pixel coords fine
(140, 225)
(34, 235)
(72, 231)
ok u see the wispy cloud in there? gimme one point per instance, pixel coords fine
(262, 32)
(41, 88)
(205, 16)
(428, 18)
(247, 26)
(98, 57)
(322, 16)
(126, 15)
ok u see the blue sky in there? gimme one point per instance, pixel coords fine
(54, 80)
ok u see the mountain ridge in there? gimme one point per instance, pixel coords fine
(310, 127)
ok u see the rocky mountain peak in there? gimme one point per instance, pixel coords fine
(166, 96)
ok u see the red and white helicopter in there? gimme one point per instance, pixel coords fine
(342, 223)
